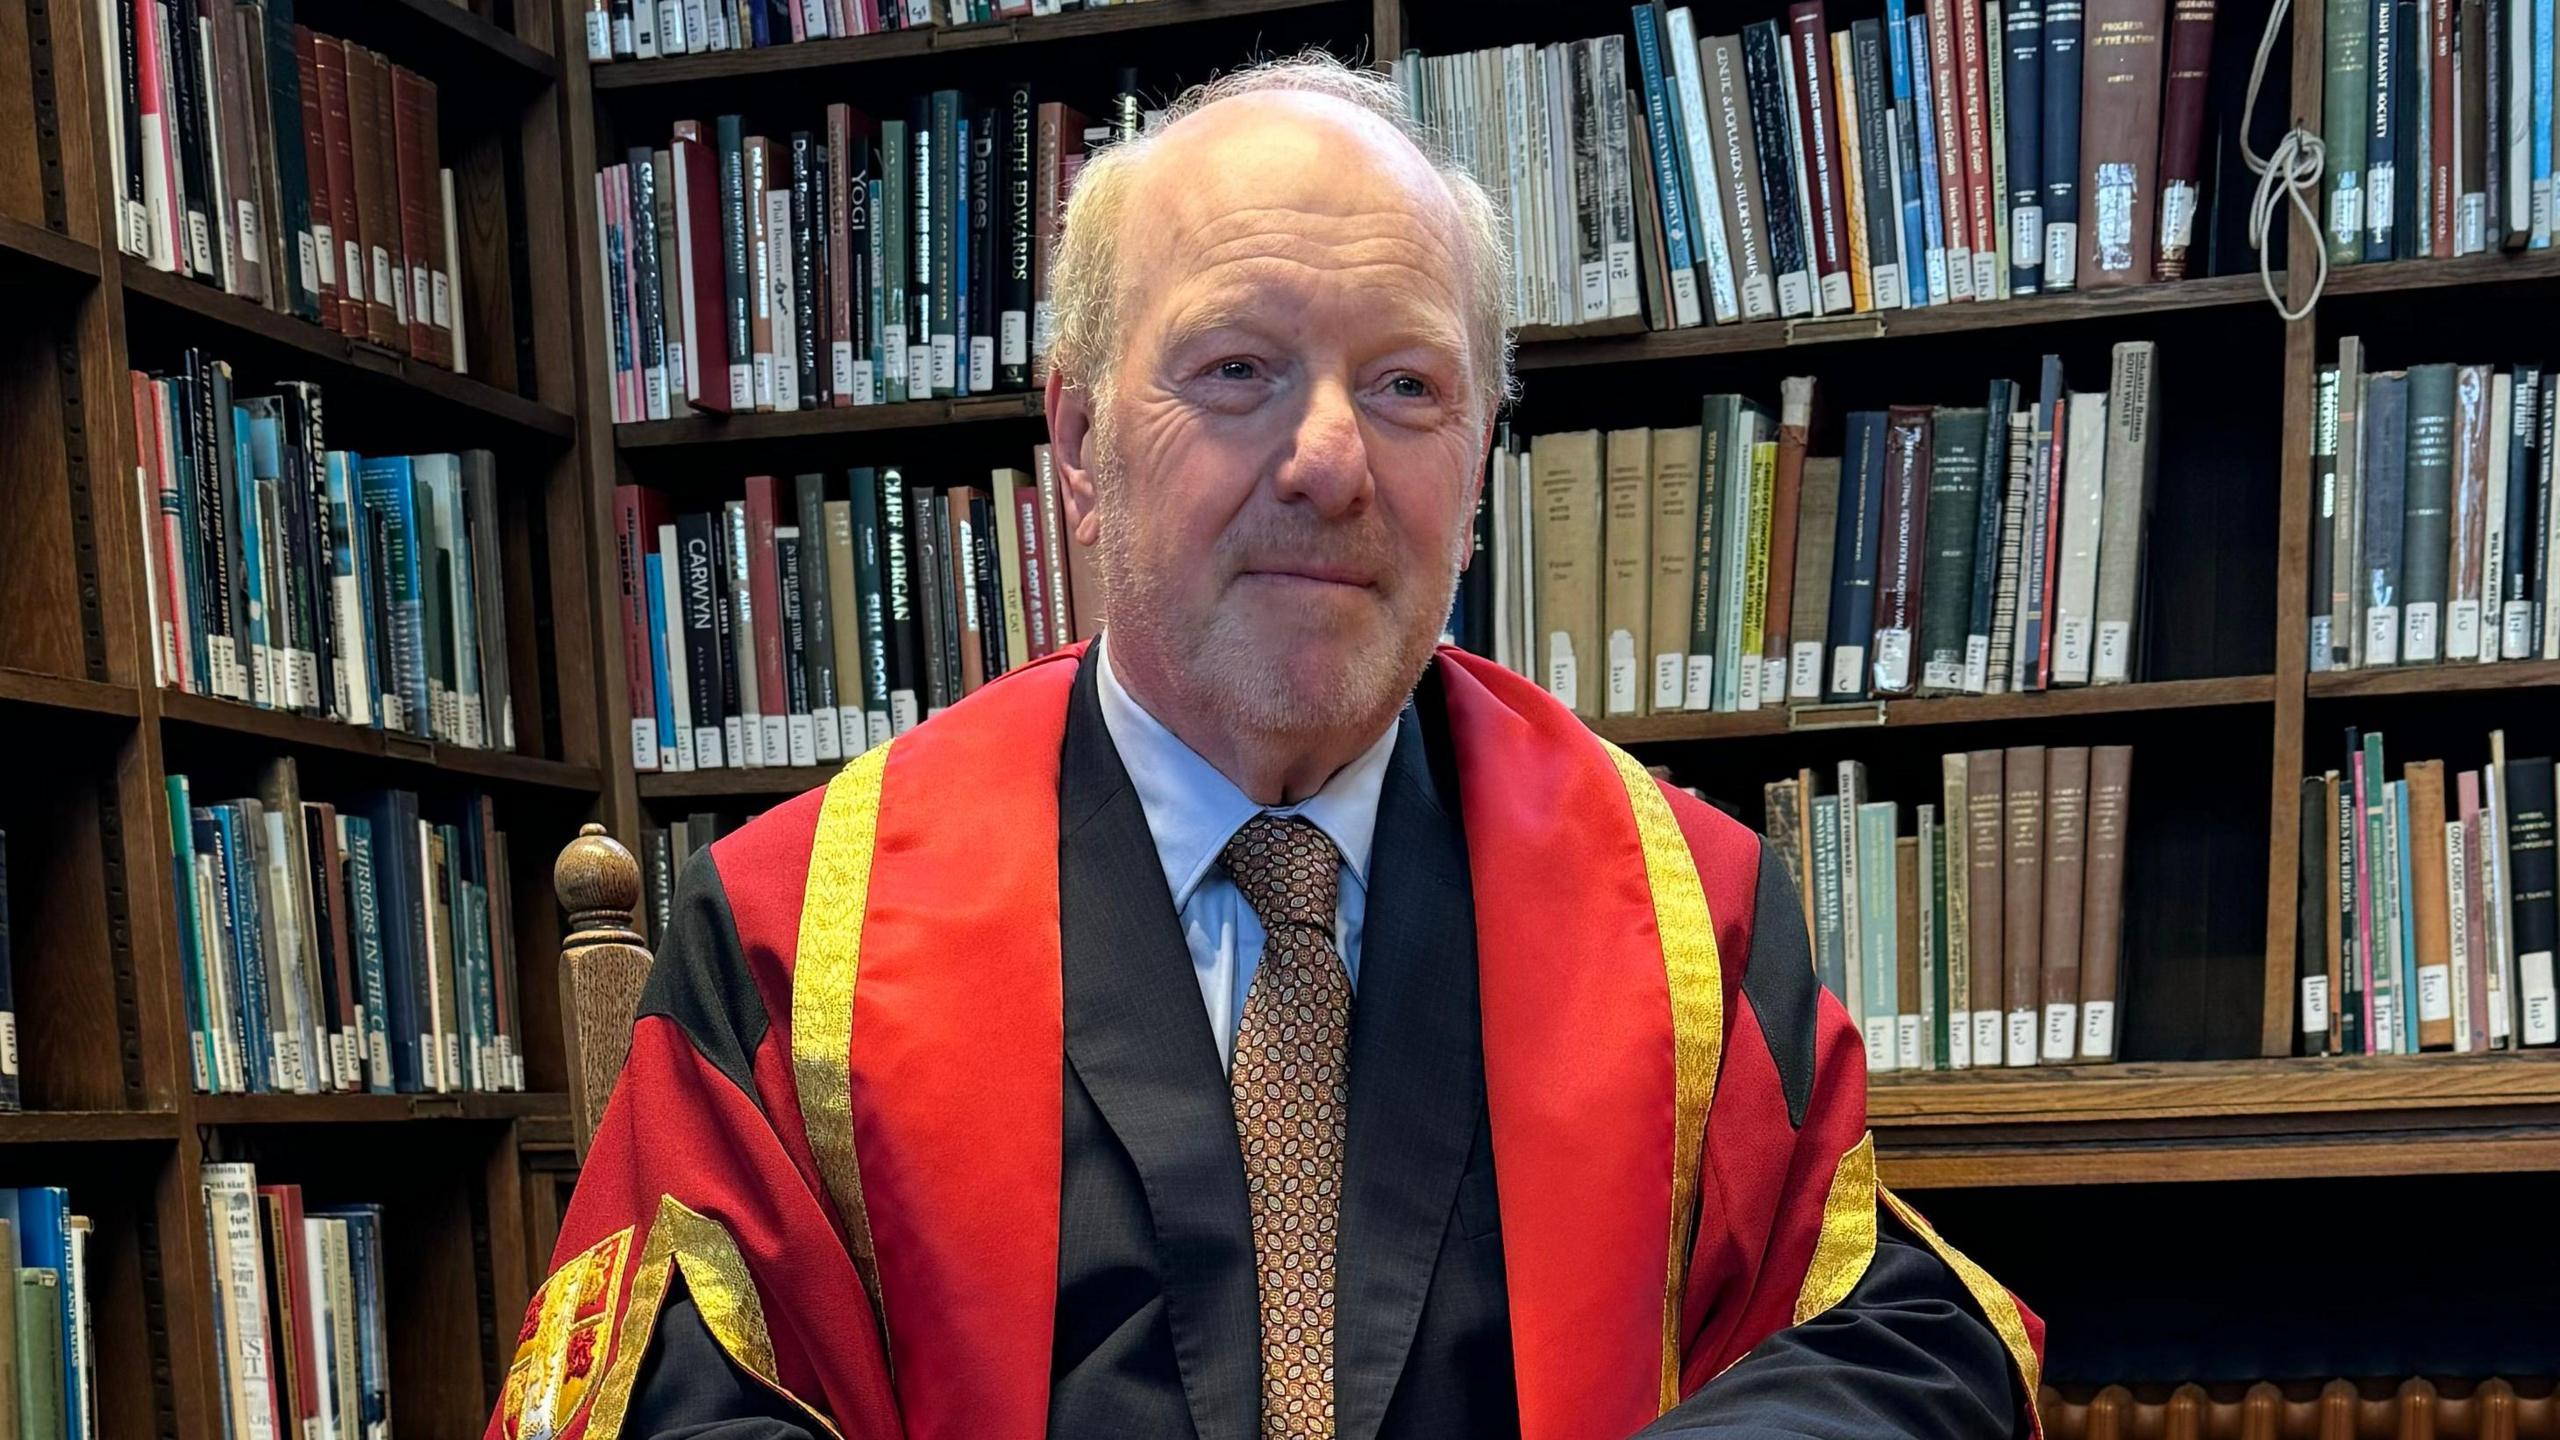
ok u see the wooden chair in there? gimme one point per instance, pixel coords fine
(602, 965)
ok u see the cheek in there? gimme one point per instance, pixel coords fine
(1423, 482)
(1186, 477)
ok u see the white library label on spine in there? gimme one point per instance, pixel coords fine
(853, 731)
(2435, 993)
(2061, 1029)
(800, 740)
(1016, 339)
(1893, 658)
(2071, 648)
(2382, 635)
(1668, 668)
(1986, 1036)
(1848, 667)
(2541, 1024)
(2315, 1002)
(1804, 679)
(1880, 1043)
(876, 728)
(1622, 672)
(599, 36)
(1563, 677)
(2098, 1029)
(1977, 664)
(982, 363)
(1906, 1039)
(2022, 1037)
(742, 386)
(842, 355)
(1960, 1040)
(943, 362)
(903, 712)
(777, 739)
(2061, 254)
(1701, 694)
(894, 352)
(1773, 683)
(2462, 631)
(736, 732)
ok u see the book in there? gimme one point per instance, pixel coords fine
(1626, 605)
(2120, 139)
(1986, 867)
(1855, 561)
(2023, 925)
(1566, 472)
(2066, 798)
(2058, 129)
(1817, 526)
(2190, 73)
(1902, 550)
(1953, 530)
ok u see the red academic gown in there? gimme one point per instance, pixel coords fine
(891, 1189)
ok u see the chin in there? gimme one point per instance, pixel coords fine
(1299, 674)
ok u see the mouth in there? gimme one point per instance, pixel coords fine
(1312, 576)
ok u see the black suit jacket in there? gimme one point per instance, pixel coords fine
(1156, 1330)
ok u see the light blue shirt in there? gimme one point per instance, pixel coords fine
(1192, 811)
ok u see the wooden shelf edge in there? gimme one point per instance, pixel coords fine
(2433, 679)
(2398, 275)
(2287, 1158)
(372, 1109)
(55, 692)
(304, 732)
(771, 782)
(2131, 699)
(1764, 335)
(907, 44)
(22, 241)
(2240, 1092)
(348, 358)
(56, 1127)
(710, 429)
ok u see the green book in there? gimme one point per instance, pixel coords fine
(1927, 1049)
(1878, 937)
(39, 1355)
(1949, 538)
(2343, 123)
(1736, 536)
(1826, 897)
(1719, 437)
(2426, 527)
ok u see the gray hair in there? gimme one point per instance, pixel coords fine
(1089, 287)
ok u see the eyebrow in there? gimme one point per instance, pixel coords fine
(1222, 312)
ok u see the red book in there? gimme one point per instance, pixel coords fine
(702, 278)
(2053, 460)
(764, 579)
(637, 514)
(296, 1360)
(315, 170)
(417, 154)
(1899, 548)
(329, 61)
(1947, 102)
(1034, 560)
(1809, 67)
(976, 609)
(1060, 142)
(1973, 60)
(159, 141)
(839, 252)
(2182, 132)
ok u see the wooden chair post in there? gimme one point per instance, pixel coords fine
(603, 963)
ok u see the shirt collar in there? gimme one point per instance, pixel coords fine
(1192, 810)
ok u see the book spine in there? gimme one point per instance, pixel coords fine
(1851, 143)
(1907, 127)
(1855, 564)
(1954, 523)
(808, 277)
(817, 622)
(1795, 424)
(1738, 171)
(1976, 70)
(1818, 121)
(1869, 74)
(2345, 121)
(1668, 168)
(2470, 513)
(2475, 91)
(2440, 174)
(2382, 144)
(2531, 871)
(2427, 525)
(2059, 133)
(1955, 187)
(1015, 291)
(1714, 243)
(2120, 140)
(2182, 133)
(1901, 547)
(1765, 67)
(2526, 564)
(1992, 537)
(1925, 99)
(738, 305)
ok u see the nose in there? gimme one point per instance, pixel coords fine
(1328, 465)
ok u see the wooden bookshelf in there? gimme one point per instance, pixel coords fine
(103, 1031)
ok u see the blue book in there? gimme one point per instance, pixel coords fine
(655, 567)
(2382, 143)
(877, 293)
(400, 913)
(364, 932)
(2408, 977)
(2060, 127)
(247, 516)
(190, 526)
(1853, 548)
(2543, 39)
(44, 1243)
(364, 1258)
(389, 495)
(1919, 286)
(1668, 165)
(237, 861)
(2022, 104)
(960, 254)
(182, 893)
(1933, 221)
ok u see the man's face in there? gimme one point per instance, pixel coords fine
(1287, 469)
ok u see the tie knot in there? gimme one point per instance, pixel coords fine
(1287, 870)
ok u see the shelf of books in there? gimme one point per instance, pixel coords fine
(1909, 461)
(298, 609)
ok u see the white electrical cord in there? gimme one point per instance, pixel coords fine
(2292, 173)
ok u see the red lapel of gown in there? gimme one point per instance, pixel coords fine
(955, 1053)
(1577, 1052)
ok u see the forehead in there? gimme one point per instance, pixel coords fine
(1250, 193)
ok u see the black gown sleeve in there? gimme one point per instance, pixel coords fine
(690, 1390)
(1907, 1356)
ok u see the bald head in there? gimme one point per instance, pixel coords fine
(1310, 137)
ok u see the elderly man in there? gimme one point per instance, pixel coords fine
(1255, 1023)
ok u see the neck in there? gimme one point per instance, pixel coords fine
(1271, 768)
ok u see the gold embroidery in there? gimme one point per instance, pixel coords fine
(1998, 1306)
(1848, 1243)
(715, 1274)
(823, 971)
(1695, 978)
(568, 1327)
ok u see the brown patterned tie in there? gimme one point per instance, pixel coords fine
(1292, 1085)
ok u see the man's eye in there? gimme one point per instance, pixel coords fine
(1410, 387)
(1235, 370)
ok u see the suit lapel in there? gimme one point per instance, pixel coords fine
(1417, 1075)
(1138, 1039)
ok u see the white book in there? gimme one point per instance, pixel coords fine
(1729, 118)
(678, 22)
(287, 1024)
(754, 740)
(82, 1340)
(1563, 265)
(1850, 785)
(2501, 965)
(220, 258)
(2083, 500)
(448, 284)
(786, 328)
(231, 1221)
(1706, 217)
(679, 682)
(1626, 292)
(347, 1333)
(2132, 462)
(2521, 193)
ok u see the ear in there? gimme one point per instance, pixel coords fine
(1070, 409)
